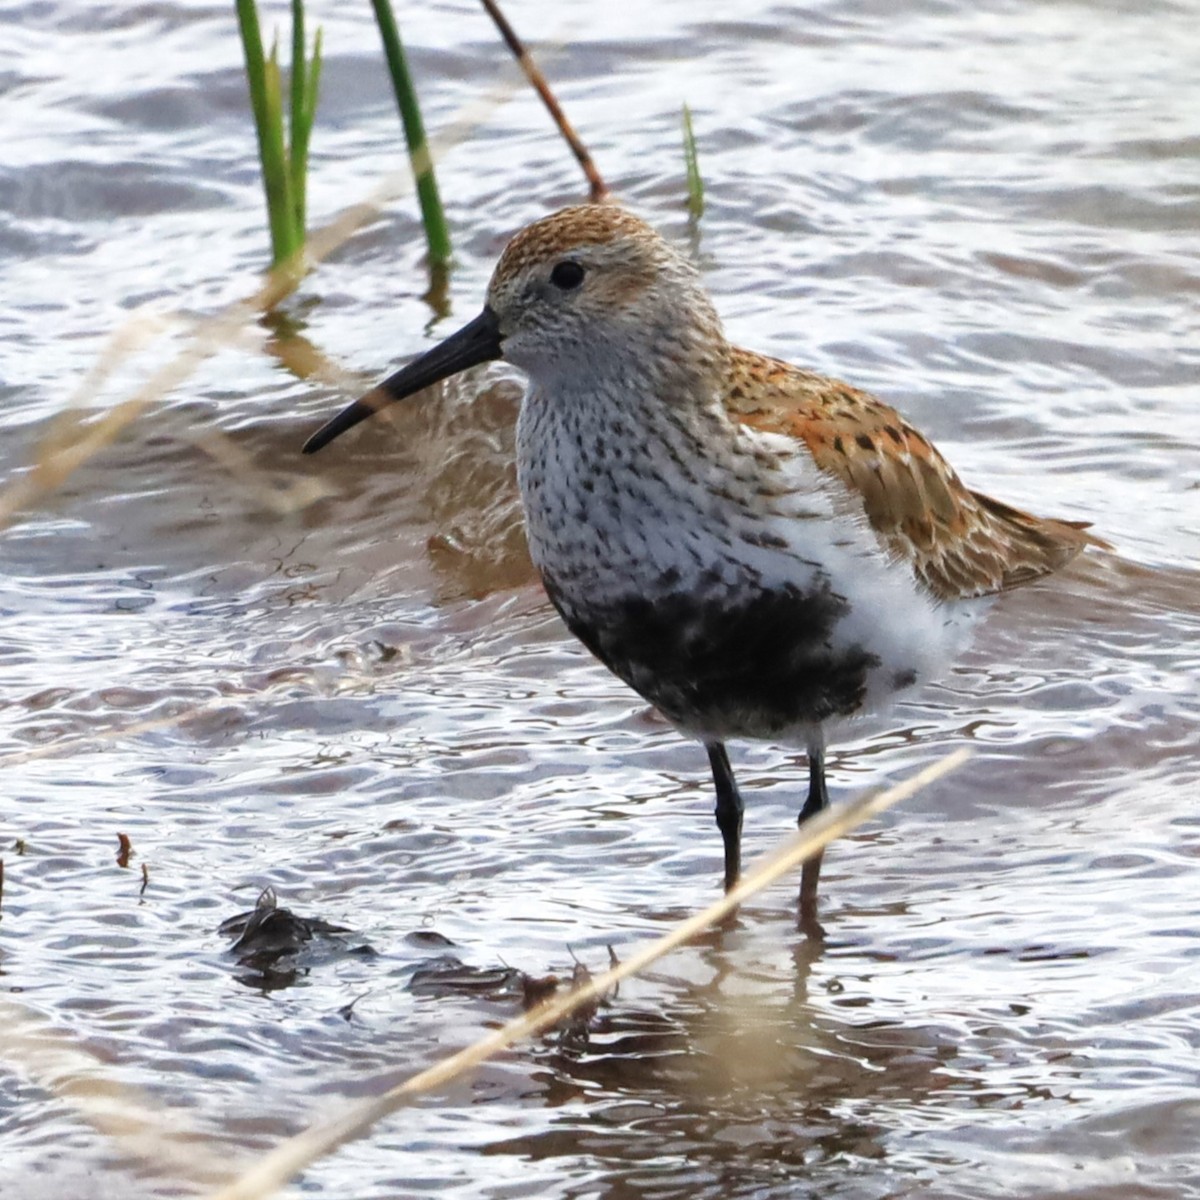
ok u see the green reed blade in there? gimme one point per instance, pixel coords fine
(302, 133)
(695, 184)
(276, 173)
(284, 157)
(437, 234)
(252, 50)
(311, 87)
(304, 82)
(298, 79)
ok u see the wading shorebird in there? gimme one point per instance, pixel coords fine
(757, 550)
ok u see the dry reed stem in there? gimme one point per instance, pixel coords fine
(83, 741)
(134, 1122)
(141, 1133)
(273, 491)
(287, 1160)
(72, 440)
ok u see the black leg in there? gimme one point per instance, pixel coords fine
(729, 810)
(818, 799)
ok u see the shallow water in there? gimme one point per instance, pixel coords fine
(986, 214)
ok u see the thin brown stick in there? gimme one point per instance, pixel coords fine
(291, 1157)
(599, 189)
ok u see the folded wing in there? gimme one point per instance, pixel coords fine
(959, 543)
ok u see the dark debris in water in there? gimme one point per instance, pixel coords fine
(273, 942)
(447, 975)
(426, 938)
(276, 947)
(573, 1032)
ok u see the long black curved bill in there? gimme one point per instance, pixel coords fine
(478, 342)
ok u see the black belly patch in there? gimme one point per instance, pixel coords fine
(757, 664)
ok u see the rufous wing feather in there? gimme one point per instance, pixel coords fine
(959, 543)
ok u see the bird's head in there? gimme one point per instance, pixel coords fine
(590, 293)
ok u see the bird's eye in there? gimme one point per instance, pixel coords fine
(567, 275)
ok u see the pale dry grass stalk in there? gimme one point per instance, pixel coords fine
(75, 436)
(85, 741)
(274, 492)
(293, 1156)
(72, 439)
(143, 1135)
(134, 1122)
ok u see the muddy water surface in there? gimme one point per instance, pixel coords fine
(987, 214)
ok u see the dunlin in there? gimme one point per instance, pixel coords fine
(756, 549)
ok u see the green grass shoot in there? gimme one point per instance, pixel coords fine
(284, 158)
(695, 184)
(437, 234)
